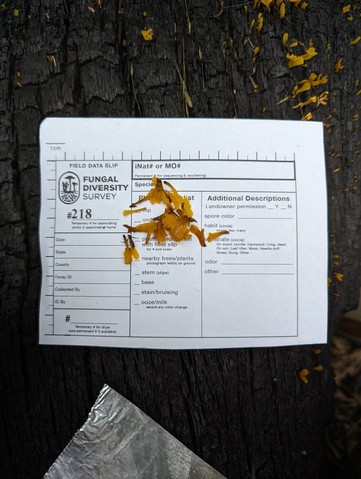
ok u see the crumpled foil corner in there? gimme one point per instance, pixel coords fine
(118, 440)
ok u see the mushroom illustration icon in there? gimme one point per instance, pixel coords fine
(69, 188)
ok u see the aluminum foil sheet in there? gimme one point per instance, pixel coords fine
(120, 441)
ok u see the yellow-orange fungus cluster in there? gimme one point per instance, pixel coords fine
(279, 5)
(308, 83)
(130, 251)
(305, 54)
(175, 223)
(303, 375)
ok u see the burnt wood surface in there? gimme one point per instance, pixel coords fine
(244, 411)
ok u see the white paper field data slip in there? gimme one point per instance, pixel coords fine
(262, 284)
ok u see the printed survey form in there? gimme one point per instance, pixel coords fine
(262, 284)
